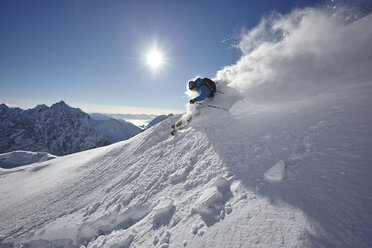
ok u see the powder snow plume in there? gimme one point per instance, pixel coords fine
(303, 54)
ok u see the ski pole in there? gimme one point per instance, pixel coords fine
(211, 106)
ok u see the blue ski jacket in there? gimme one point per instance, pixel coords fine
(203, 90)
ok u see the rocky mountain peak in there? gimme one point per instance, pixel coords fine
(59, 129)
(3, 107)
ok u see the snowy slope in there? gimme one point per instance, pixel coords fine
(288, 171)
(208, 186)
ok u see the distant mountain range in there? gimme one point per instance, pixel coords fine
(59, 129)
(140, 120)
(150, 119)
(104, 116)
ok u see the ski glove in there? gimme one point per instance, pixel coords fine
(192, 101)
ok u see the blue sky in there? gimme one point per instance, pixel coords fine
(91, 53)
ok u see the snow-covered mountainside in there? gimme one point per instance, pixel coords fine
(158, 119)
(287, 171)
(114, 130)
(290, 176)
(19, 158)
(58, 129)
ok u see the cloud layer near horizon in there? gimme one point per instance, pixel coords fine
(305, 53)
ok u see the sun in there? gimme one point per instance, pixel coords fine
(154, 59)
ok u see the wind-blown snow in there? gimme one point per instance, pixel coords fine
(289, 171)
(300, 55)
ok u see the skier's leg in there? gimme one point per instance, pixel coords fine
(186, 118)
(178, 124)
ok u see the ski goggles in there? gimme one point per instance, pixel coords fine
(191, 84)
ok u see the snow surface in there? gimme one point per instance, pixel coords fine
(206, 187)
(267, 173)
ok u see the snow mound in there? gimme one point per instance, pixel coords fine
(163, 213)
(276, 173)
(211, 202)
(19, 158)
(110, 222)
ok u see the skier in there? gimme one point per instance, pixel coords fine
(206, 89)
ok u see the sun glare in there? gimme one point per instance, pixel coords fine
(154, 59)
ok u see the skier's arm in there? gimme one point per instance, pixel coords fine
(204, 92)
